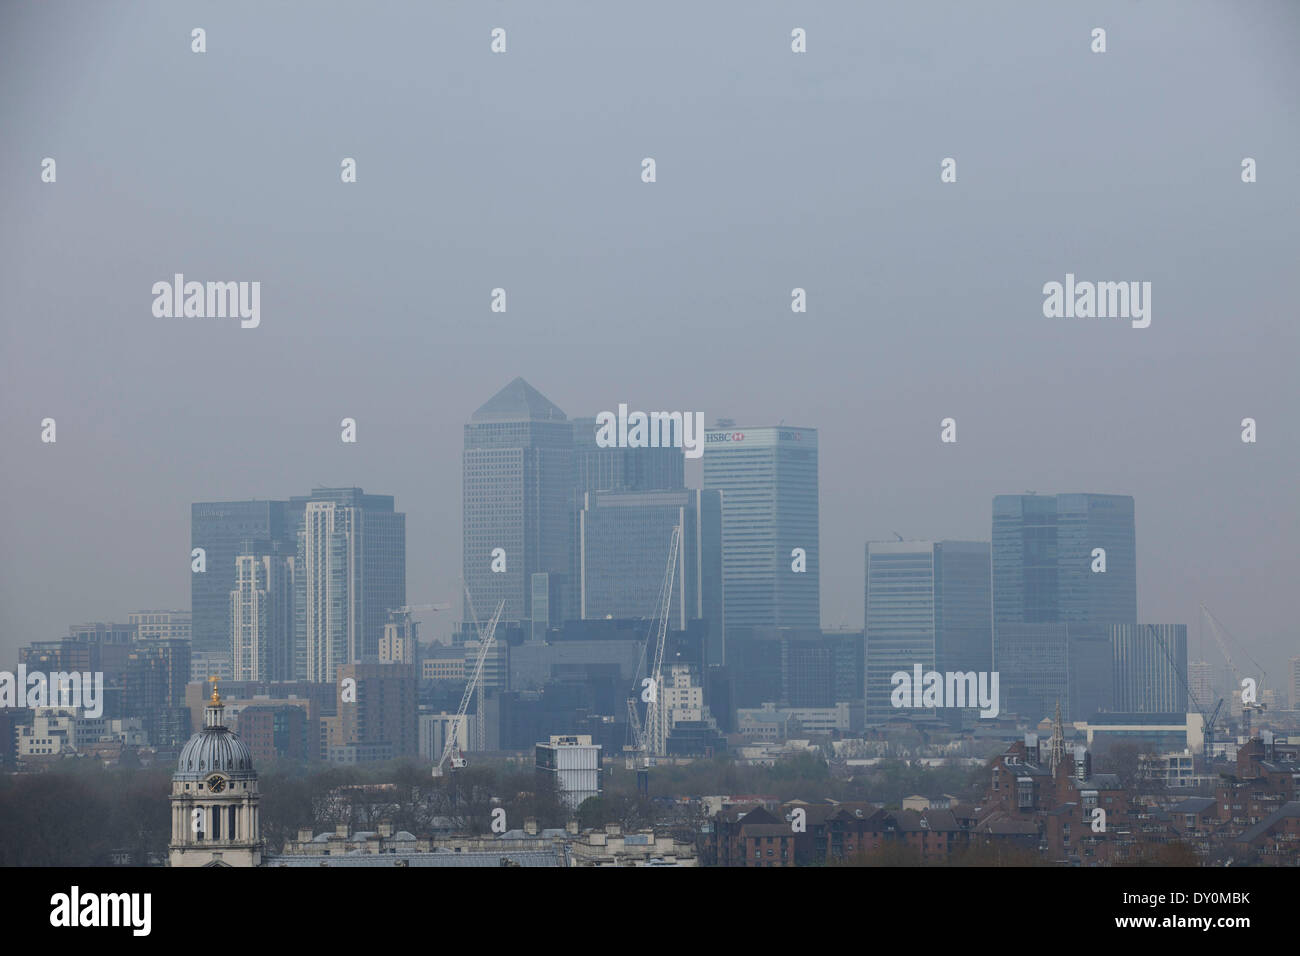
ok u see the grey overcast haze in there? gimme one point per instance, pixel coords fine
(774, 171)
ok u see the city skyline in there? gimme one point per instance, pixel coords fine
(281, 514)
(924, 297)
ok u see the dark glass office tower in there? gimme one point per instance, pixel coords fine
(1042, 559)
(768, 480)
(223, 529)
(927, 603)
(518, 496)
(622, 469)
(623, 541)
(1084, 523)
(1042, 575)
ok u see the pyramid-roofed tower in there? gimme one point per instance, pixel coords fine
(518, 401)
(518, 504)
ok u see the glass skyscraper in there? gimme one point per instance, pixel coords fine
(624, 538)
(1042, 559)
(224, 530)
(227, 530)
(1042, 575)
(768, 480)
(927, 603)
(518, 484)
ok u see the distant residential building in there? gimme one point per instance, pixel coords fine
(161, 625)
(228, 529)
(1293, 684)
(773, 724)
(157, 672)
(58, 730)
(570, 765)
(770, 508)
(224, 530)
(102, 633)
(384, 709)
(319, 701)
(276, 731)
(11, 719)
(88, 648)
(442, 667)
(211, 664)
(434, 729)
(400, 642)
(362, 530)
(350, 572)
(680, 701)
(262, 617)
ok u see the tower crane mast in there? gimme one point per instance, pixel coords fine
(649, 739)
(485, 643)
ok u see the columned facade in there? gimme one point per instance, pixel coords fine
(215, 815)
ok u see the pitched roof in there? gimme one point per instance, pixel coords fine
(1291, 809)
(518, 402)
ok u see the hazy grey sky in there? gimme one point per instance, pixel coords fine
(775, 170)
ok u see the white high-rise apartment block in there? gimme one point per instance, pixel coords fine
(680, 698)
(330, 562)
(261, 618)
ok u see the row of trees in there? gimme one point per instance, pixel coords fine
(78, 813)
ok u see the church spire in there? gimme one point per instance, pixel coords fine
(1056, 747)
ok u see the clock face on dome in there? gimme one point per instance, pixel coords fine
(216, 784)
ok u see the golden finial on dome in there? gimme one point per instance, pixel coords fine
(216, 698)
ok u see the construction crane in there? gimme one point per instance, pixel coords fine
(453, 732)
(1221, 637)
(1208, 720)
(648, 740)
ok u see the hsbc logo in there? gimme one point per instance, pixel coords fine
(724, 436)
